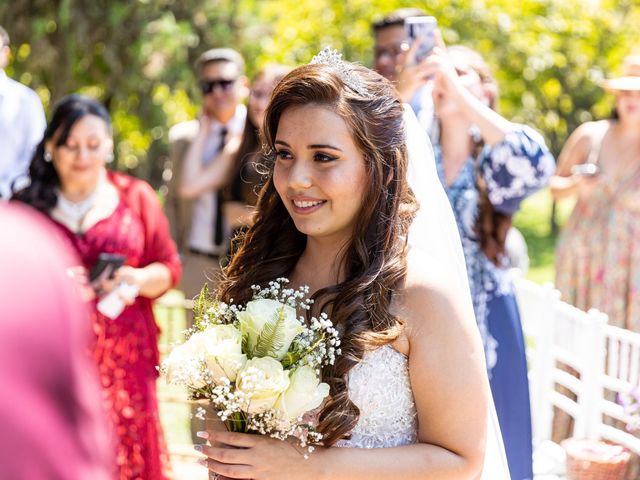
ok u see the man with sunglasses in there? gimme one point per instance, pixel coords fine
(197, 148)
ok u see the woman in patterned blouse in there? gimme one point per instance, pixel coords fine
(488, 165)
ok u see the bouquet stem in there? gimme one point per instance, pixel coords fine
(236, 423)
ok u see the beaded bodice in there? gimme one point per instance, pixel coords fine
(379, 385)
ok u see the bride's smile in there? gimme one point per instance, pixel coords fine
(304, 205)
(320, 173)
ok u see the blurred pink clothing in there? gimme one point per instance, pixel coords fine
(52, 424)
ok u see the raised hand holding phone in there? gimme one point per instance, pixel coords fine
(420, 34)
(441, 70)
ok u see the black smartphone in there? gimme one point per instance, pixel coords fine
(106, 266)
(423, 28)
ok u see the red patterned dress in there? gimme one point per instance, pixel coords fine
(126, 348)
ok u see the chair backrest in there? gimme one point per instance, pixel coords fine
(604, 361)
(537, 310)
(561, 335)
(620, 375)
(580, 345)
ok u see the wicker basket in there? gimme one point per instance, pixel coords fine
(594, 460)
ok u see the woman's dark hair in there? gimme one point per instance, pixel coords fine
(397, 18)
(41, 193)
(242, 187)
(245, 177)
(492, 226)
(373, 261)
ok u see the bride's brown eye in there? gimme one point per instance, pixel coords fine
(283, 155)
(323, 157)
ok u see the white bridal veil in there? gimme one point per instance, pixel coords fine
(434, 230)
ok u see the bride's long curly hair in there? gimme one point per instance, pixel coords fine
(374, 260)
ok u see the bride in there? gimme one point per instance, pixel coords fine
(409, 396)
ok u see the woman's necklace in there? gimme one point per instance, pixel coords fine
(76, 212)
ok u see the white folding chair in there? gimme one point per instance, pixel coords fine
(560, 334)
(622, 373)
(537, 305)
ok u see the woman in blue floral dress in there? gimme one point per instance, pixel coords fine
(488, 165)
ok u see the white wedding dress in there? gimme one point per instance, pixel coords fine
(379, 385)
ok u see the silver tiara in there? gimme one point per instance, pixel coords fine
(332, 58)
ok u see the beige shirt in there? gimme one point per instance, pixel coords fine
(193, 222)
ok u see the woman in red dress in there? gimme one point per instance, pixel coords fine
(104, 212)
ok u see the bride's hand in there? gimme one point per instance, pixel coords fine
(257, 457)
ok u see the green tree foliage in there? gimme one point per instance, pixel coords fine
(137, 55)
(547, 55)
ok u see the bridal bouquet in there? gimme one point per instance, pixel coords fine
(257, 365)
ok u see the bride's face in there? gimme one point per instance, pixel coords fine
(319, 173)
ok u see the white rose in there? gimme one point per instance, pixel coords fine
(183, 366)
(221, 346)
(265, 311)
(305, 393)
(264, 380)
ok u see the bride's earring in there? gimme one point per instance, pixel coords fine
(47, 156)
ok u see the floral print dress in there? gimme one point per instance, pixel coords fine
(512, 170)
(598, 255)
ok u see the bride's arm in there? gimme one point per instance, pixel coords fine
(447, 373)
(448, 379)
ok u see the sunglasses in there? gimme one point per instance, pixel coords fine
(208, 86)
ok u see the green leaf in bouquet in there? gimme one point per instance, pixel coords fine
(271, 338)
(290, 359)
(200, 306)
(245, 346)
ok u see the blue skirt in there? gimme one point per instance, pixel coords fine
(510, 384)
